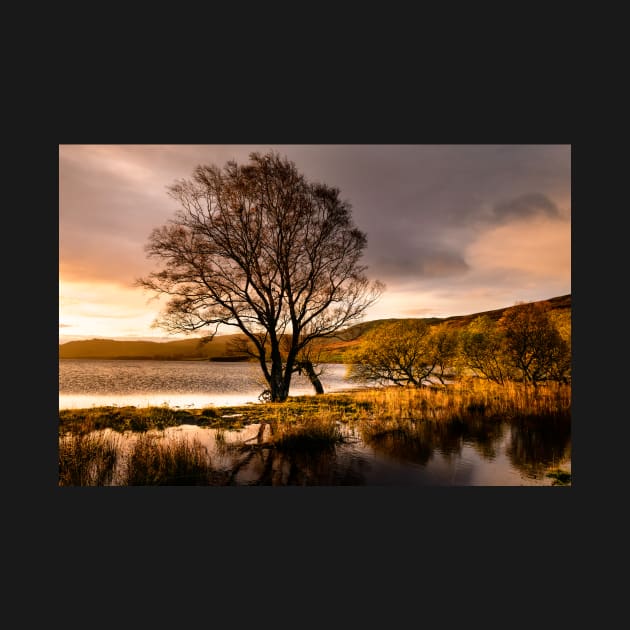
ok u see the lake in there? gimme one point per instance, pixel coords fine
(177, 384)
(456, 453)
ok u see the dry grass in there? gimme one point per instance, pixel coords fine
(87, 459)
(466, 399)
(153, 461)
(88, 456)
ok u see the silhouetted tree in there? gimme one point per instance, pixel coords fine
(260, 248)
(534, 347)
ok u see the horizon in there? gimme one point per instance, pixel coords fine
(166, 339)
(451, 229)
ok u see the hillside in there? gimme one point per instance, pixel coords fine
(327, 350)
(182, 349)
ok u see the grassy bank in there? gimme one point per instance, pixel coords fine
(90, 451)
(475, 398)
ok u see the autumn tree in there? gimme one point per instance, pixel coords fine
(482, 350)
(442, 350)
(563, 364)
(259, 248)
(534, 347)
(405, 352)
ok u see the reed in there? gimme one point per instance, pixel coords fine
(87, 459)
(466, 399)
(155, 461)
(306, 432)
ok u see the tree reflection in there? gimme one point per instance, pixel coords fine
(537, 444)
(267, 465)
(410, 444)
(484, 436)
(533, 446)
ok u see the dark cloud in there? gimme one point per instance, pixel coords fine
(525, 206)
(421, 206)
(400, 266)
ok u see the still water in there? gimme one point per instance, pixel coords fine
(178, 384)
(471, 453)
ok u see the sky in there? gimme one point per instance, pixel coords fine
(451, 229)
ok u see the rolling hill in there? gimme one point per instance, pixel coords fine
(329, 350)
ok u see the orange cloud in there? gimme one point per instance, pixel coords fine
(538, 249)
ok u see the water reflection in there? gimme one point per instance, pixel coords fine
(417, 441)
(403, 445)
(270, 467)
(536, 445)
(438, 453)
(484, 436)
(85, 383)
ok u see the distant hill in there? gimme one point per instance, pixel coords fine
(182, 349)
(329, 350)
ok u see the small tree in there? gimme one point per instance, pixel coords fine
(533, 345)
(405, 352)
(260, 248)
(562, 322)
(443, 347)
(481, 350)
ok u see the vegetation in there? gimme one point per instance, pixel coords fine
(407, 421)
(142, 419)
(308, 432)
(535, 350)
(334, 349)
(87, 459)
(560, 477)
(525, 344)
(441, 382)
(404, 353)
(153, 461)
(481, 350)
(259, 248)
(464, 399)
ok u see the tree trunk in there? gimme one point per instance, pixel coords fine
(307, 366)
(278, 389)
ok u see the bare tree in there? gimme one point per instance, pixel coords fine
(260, 248)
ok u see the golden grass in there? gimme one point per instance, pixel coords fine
(87, 459)
(473, 397)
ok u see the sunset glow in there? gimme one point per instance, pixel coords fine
(451, 229)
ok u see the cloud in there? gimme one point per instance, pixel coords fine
(450, 228)
(525, 206)
(400, 264)
(531, 251)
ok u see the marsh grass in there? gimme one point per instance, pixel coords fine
(155, 461)
(395, 415)
(305, 433)
(468, 399)
(87, 459)
(560, 477)
(139, 419)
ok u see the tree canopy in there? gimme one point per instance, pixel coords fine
(526, 343)
(260, 248)
(404, 353)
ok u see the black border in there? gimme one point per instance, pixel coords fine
(373, 531)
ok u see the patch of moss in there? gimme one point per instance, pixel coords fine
(560, 477)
